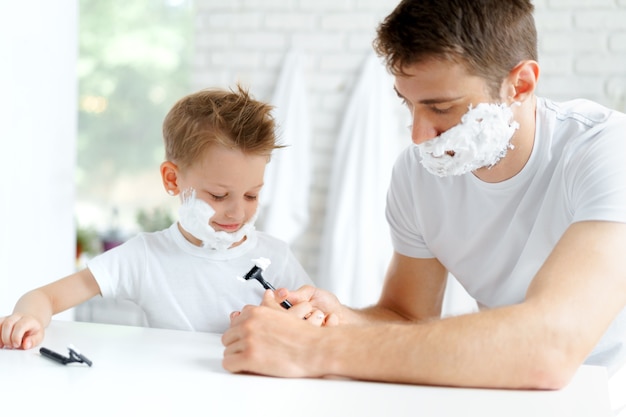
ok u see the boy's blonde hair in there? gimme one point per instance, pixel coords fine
(231, 118)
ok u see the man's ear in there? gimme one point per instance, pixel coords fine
(169, 176)
(522, 81)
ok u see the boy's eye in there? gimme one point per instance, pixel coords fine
(251, 197)
(217, 197)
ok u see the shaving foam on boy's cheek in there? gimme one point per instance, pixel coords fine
(480, 140)
(194, 216)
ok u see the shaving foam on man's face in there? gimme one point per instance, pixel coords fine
(480, 140)
(195, 215)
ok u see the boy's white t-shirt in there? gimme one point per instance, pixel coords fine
(494, 237)
(185, 287)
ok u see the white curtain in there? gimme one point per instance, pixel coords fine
(356, 246)
(284, 206)
(38, 45)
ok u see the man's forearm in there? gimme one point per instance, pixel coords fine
(372, 314)
(479, 350)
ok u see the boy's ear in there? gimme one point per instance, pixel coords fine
(169, 176)
(522, 81)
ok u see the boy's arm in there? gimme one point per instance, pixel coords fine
(34, 310)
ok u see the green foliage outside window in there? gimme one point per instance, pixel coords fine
(134, 63)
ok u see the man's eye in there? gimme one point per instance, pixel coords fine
(440, 110)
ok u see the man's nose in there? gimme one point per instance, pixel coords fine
(422, 130)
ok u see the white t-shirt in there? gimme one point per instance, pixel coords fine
(185, 287)
(494, 237)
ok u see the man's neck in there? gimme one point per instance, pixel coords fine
(522, 141)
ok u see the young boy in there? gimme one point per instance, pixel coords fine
(186, 277)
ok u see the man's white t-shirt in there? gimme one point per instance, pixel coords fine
(494, 237)
(185, 287)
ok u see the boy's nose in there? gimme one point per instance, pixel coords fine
(235, 210)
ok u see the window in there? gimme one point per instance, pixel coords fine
(134, 63)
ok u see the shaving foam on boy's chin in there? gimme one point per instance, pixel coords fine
(194, 215)
(480, 140)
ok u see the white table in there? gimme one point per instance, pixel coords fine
(140, 371)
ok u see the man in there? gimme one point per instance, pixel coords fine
(522, 199)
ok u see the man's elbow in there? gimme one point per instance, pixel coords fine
(552, 370)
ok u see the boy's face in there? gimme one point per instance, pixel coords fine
(229, 181)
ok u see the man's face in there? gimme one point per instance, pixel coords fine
(457, 126)
(437, 94)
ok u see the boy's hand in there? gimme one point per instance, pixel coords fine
(318, 300)
(18, 331)
(303, 310)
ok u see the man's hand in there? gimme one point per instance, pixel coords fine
(265, 340)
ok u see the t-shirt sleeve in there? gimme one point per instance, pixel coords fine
(401, 210)
(598, 187)
(115, 269)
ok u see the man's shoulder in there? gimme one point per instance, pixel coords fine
(585, 112)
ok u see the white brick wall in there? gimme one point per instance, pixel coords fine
(583, 50)
(582, 54)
